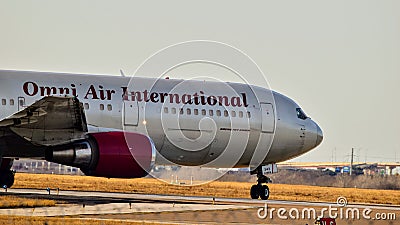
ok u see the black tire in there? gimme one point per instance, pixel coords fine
(254, 192)
(6, 178)
(264, 192)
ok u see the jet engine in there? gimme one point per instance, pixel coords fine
(108, 154)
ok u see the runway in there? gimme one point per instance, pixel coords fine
(183, 199)
(173, 209)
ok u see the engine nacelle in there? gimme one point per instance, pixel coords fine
(108, 154)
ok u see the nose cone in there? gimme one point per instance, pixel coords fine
(320, 136)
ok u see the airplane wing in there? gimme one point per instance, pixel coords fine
(55, 129)
(50, 121)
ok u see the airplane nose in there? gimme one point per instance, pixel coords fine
(320, 136)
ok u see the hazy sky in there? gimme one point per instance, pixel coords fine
(340, 60)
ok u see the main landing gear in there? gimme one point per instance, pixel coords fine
(6, 174)
(259, 190)
(6, 178)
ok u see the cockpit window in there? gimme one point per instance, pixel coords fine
(301, 114)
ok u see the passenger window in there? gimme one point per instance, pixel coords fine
(233, 113)
(109, 107)
(226, 113)
(173, 110)
(87, 106)
(188, 111)
(241, 114)
(211, 112)
(11, 101)
(165, 109)
(196, 112)
(101, 107)
(203, 112)
(218, 112)
(181, 111)
(248, 115)
(3, 101)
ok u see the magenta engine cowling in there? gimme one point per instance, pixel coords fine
(108, 154)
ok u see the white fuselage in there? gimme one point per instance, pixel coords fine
(213, 124)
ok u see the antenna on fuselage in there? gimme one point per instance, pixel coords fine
(122, 73)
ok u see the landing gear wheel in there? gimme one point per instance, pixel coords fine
(6, 178)
(259, 190)
(254, 192)
(264, 192)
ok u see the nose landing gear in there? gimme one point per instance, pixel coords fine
(259, 190)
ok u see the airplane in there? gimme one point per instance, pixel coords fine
(120, 126)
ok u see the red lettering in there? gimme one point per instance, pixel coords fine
(154, 97)
(46, 91)
(212, 100)
(101, 91)
(197, 99)
(109, 94)
(223, 99)
(188, 99)
(30, 88)
(146, 98)
(171, 98)
(203, 98)
(92, 92)
(125, 93)
(162, 97)
(235, 101)
(73, 90)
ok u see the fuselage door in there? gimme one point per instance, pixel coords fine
(302, 135)
(21, 103)
(131, 113)
(267, 118)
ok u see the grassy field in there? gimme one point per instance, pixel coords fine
(18, 202)
(19, 220)
(214, 189)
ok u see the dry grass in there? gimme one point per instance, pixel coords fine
(217, 189)
(18, 202)
(17, 220)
